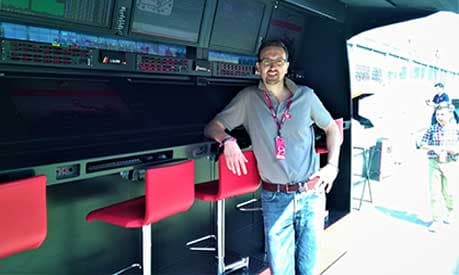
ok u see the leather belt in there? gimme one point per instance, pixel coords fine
(290, 188)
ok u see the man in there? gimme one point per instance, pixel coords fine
(442, 142)
(278, 115)
(440, 96)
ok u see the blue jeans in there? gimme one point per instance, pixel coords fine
(293, 223)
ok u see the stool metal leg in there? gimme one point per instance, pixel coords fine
(242, 206)
(363, 192)
(221, 236)
(201, 248)
(367, 155)
(222, 268)
(146, 253)
(127, 268)
(368, 162)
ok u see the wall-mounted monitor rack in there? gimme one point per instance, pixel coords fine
(31, 53)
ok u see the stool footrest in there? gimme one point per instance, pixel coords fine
(128, 268)
(199, 240)
(242, 206)
(242, 263)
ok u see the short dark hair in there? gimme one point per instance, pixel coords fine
(272, 43)
(439, 84)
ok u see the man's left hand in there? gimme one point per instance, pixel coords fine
(327, 175)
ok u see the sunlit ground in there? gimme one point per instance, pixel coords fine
(391, 235)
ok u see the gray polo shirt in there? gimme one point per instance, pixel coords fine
(248, 108)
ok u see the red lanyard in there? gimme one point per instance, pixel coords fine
(285, 115)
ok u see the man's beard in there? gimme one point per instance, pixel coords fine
(273, 80)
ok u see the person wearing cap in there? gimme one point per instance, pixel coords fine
(278, 116)
(440, 96)
(441, 140)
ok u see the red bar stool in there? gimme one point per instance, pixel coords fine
(23, 215)
(169, 190)
(321, 146)
(228, 185)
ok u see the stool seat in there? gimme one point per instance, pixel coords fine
(23, 215)
(207, 191)
(321, 146)
(129, 214)
(169, 190)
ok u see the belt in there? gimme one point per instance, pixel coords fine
(290, 187)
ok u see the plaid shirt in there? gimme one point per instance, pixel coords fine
(437, 135)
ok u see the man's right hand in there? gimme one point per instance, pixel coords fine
(235, 160)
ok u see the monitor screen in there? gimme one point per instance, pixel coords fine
(170, 19)
(288, 25)
(50, 120)
(64, 107)
(62, 38)
(237, 25)
(69, 107)
(80, 11)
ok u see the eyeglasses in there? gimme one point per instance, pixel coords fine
(278, 63)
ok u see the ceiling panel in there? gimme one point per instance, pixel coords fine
(428, 5)
(368, 3)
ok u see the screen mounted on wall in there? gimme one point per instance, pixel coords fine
(169, 19)
(96, 13)
(68, 107)
(288, 25)
(237, 25)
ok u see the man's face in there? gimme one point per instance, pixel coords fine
(438, 90)
(443, 116)
(273, 65)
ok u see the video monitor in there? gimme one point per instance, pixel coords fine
(168, 19)
(96, 13)
(67, 107)
(237, 25)
(288, 25)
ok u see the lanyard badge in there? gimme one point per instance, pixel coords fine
(280, 148)
(279, 140)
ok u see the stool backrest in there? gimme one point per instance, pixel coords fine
(321, 146)
(233, 185)
(169, 190)
(23, 215)
(340, 124)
